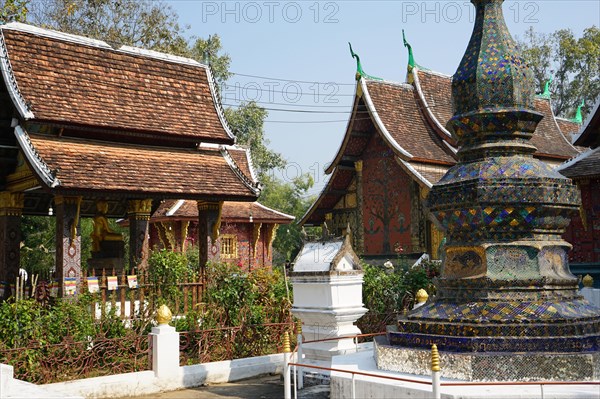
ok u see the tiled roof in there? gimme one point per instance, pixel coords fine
(232, 211)
(397, 108)
(88, 166)
(70, 80)
(585, 165)
(590, 131)
(548, 139)
(568, 128)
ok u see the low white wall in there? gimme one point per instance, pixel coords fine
(146, 383)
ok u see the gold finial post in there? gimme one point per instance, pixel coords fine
(298, 327)
(286, 343)
(588, 281)
(435, 358)
(435, 372)
(164, 315)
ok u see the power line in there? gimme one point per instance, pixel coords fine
(300, 110)
(291, 94)
(329, 121)
(292, 80)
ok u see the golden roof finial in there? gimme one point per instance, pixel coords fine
(435, 358)
(298, 327)
(588, 281)
(422, 296)
(286, 343)
(163, 315)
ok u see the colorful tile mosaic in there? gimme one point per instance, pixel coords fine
(505, 284)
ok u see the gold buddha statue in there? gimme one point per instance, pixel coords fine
(102, 230)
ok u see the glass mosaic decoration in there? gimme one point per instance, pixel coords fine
(505, 284)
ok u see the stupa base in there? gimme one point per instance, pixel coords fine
(491, 366)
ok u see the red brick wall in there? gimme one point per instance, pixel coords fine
(386, 198)
(586, 242)
(244, 233)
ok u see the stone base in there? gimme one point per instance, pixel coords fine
(491, 366)
(110, 249)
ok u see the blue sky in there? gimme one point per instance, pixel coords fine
(297, 54)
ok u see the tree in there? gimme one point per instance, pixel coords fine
(574, 65)
(148, 24)
(247, 124)
(13, 10)
(289, 197)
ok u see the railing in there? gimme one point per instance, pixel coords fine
(130, 301)
(68, 360)
(230, 343)
(434, 383)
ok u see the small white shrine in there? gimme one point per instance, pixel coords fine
(327, 280)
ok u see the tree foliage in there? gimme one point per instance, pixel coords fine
(574, 64)
(13, 10)
(247, 124)
(289, 197)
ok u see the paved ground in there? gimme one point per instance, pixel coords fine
(267, 387)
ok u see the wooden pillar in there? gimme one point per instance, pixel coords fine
(68, 241)
(209, 223)
(11, 208)
(138, 212)
(359, 232)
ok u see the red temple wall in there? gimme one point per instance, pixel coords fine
(586, 240)
(244, 233)
(386, 201)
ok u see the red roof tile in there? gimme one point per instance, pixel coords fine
(396, 106)
(70, 80)
(548, 138)
(87, 165)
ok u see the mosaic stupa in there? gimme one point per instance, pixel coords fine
(507, 307)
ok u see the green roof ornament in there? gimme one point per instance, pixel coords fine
(360, 73)
(411, 58)
(546, 93)
(578, 116)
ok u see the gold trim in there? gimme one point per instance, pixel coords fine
(139, 209)
(256, 237)
(358, 166)
(271, 234)
(231, 247)
(11, 204)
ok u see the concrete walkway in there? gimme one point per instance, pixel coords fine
(267, 387)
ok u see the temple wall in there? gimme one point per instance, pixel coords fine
(387, 201)
(586, 239)
(244, 233)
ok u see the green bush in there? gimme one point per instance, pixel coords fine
(167, 269)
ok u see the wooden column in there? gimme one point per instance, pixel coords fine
(209, 223)
(68, 240)
(138, 213)
(11, 208)
(359, 232)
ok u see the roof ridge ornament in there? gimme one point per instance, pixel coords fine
(411, 57)
(360, 73)
(578, 115)
(546, 93)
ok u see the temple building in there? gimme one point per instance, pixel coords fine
(92, 130)
(584, 231)
(397, 145)
(246, 235)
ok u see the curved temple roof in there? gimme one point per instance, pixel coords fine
(72, 80)
(232, 212)
(126, 122)
(411, 119)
